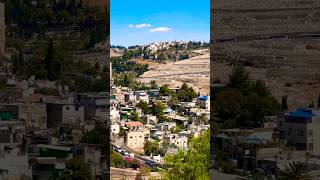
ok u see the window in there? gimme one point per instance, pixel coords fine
(310, 146)
(310, 133)
(130, 137)
(300, 132)
(67, 108)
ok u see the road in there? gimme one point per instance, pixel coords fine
(138, 157)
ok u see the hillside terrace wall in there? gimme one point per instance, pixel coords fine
(253, 17)
(118, 174)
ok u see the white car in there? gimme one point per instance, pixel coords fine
(119, 150)
(125, 153)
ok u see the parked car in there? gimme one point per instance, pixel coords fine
(124, 152)
(119, 150)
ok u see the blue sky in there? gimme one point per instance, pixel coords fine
(136, 22)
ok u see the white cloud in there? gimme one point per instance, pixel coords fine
(143, 25)
(160, 29)
(139, 25)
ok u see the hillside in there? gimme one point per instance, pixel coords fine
(194, 71)
(276, 40)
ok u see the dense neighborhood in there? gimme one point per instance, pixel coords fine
(47, 112)
(261, 138)
(152, 124)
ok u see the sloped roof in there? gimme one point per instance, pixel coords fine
(133, 124)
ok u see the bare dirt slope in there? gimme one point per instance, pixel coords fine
(288, 66)
(194, 71)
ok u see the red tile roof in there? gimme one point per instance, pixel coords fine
(133, 124)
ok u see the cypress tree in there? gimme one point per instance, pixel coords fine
(50, 61)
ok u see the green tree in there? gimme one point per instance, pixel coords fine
(152, 148)
(295, 170)
(176, 129)
(228, 103)
(76, 169)
(122, 132)
(50, 61)
(186, 93)
(244, 103)
(164, 90)
(173, 103)
(127, 80)
(116, 160)
(192, 164)
(145, 107)
(239, 78)
(153, 84)
(158, 109)
(135, 116)
(97, 136)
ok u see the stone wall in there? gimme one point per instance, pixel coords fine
(119, 174)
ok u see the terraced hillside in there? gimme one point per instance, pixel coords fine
(278, 41)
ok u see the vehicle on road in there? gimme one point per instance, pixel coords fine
(124, 152)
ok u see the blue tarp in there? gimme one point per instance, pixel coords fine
(302, 113)
(203, 98)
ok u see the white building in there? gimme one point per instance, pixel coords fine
(179, 141)
(114, 115)
(204, 102)
(142, 96)
(129, 97)
(152, 119)
(64, 113)
(115, 129)
(300, 128)
(197, 130)
(165, 126)
(158, 159)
